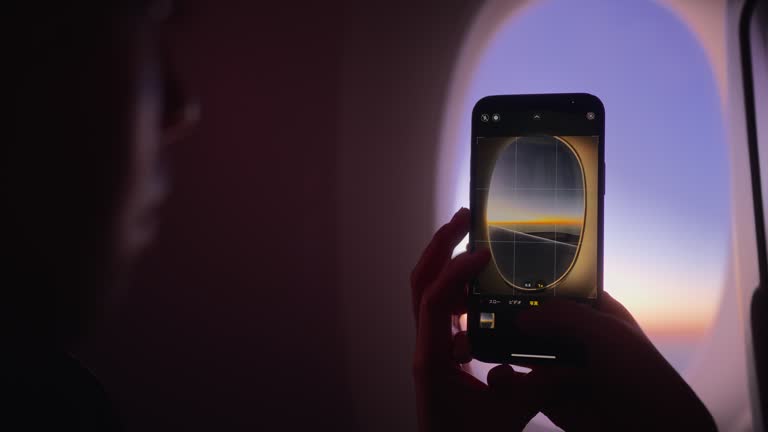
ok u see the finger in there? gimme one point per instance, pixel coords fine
(530, 392)
(508, 390)
(437, 254)
(610, 306)
(434, 338)
(449, 289)
(561, 385)
(504, 381)
(468, 383)
(462, 352)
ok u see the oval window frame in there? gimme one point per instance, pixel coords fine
(581, 232)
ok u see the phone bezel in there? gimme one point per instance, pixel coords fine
(491, 348)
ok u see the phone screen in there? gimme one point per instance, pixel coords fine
(536, 203)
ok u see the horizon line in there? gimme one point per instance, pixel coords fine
(542, 221)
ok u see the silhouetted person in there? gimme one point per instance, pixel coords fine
(95, 106)
(624, 385)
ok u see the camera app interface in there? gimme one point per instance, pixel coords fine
(536, 209)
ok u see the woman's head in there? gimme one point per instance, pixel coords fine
(96, 107)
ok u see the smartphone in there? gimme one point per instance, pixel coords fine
(537, 181)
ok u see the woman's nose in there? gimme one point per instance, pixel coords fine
(181, 112)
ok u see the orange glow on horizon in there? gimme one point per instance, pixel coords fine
(684, 332)
(548, 220)
(695, 324)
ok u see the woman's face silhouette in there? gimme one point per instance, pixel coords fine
(98, 111)
(160, 115)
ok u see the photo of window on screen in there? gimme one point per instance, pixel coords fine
(535, 206)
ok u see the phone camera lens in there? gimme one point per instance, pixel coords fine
(495, 117)
(590, 115)
(484, 117)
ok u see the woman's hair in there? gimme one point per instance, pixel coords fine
(63, 179)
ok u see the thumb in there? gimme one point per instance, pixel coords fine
(529, 392)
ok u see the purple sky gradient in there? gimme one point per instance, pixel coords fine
(667, 192)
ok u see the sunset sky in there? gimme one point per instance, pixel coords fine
(667, 200)
(533, 179)
(539, 220)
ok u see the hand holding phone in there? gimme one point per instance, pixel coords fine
(623, 383)
(450, 399)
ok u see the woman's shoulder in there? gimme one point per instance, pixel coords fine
(54, 390)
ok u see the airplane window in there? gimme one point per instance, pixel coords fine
(667, 217)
